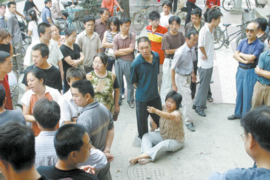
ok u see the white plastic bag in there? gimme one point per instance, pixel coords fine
(166, 80)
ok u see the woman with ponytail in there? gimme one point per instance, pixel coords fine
(33, 25)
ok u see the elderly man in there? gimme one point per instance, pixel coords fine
(247, 54)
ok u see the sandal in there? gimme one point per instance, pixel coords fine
(210, 99)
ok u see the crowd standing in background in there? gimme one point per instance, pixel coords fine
(74, 82)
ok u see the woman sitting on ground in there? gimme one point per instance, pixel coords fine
(37, 90)
(105, 83)
(171, 135)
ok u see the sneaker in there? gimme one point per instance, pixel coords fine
(123, 96)
(131, 104)
(190, 127)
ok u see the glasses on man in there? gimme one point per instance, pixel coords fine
(250, 30)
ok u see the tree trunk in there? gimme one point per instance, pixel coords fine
(125, 5)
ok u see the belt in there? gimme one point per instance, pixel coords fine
(263, 84)
(184, 74)
(247, 67)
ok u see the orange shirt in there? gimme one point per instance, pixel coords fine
(5, 83)
(156, 40)
(109, 4)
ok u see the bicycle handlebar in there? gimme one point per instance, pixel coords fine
(240, 25)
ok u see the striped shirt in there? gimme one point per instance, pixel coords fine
(109, 38)
(156, 40)
(45, 151)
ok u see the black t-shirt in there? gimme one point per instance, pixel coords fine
(43, 177)
(53, 77)
(74, 54)
(28, 5)
(76, 174)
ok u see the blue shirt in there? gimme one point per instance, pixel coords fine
(46, 12)
(264, 63)
(146, 77)
(255, 48)
(242, 174)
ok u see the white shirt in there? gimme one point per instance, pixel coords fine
(164, 20)
(55, 55)
(68, 107)
(32, 26)
(206, 40)
(53, 92)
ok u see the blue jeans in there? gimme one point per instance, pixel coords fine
(245, 81)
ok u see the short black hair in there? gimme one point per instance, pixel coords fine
(176, 97)
(68, 138)
(10, 3)
(46, 1)
(69, 31)
(197, 12)
(262, 23)
(143, 39)
(102, 10)
(124, 20)
(33, 14)
(213, 14)
(190, 32)
(38, 73)
(17, 145)
(43, 48)
(174, 18)
(47, 113)
(103, 57)
(257, 123)
(42, 28)
(154, 15)
(167, 3)
(74, 72)
(1, 5)
(88, 18)
(115, 21)
(3, 56)
(84, 87)
(2, 95)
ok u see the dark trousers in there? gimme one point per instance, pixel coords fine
(175, 3)
(105, 174)
(190, 6)
(110, 63)
(142, 115)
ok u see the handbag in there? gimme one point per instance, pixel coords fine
(109, 52)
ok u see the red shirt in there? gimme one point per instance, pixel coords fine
(8, 95)
(193, 1)
(109, 4)
(210, 3)
(156, 40)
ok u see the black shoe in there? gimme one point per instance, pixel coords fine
(193, 107)
(190, 127)
(200, 112)
(120, 103)
(233, 117)
(131, 104)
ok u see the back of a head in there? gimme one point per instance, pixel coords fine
(213, 13)
(2, 95)
(257, 123)
(84, 87)
(154, 15)
(262, 23)
(17, 145)
(68, 138)
(47, 113)
(3, 56)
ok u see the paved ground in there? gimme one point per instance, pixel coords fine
(215, 146)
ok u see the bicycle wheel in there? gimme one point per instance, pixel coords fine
(219, 38)
(138, 21)
(248, 4)
(227, 4)
(182, 15)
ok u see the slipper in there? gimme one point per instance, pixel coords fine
(210, 99)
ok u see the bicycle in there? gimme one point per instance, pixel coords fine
(140, 18)
(182, 14)
(221, 38)
(228, 4)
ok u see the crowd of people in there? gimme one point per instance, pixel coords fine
(74, 89)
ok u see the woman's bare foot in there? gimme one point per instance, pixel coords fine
(144, 161)
(133, 161)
